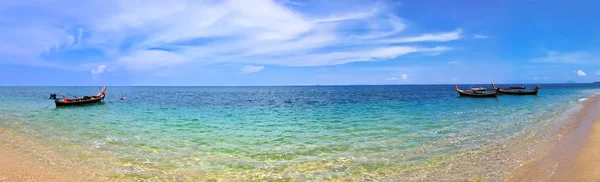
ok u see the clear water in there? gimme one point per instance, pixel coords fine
(302, 133)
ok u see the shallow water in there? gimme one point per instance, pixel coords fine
(310, 132)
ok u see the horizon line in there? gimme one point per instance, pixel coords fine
(416, 84)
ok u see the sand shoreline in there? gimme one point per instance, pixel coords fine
(574, 157)
(17, 165)
(24, 159)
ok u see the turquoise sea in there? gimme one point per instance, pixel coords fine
(356, 133)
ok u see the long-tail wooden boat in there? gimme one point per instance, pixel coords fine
(517, 90)
(81, 100)
(477, 92)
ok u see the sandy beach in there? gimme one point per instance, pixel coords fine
(18, 167)
(588, 158)
(23, 159)
(575, 156)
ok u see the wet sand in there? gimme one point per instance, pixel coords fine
(15, 166)
(23, 159)
(575, 156)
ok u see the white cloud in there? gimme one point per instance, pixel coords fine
(598, 73)
(579, 57)
(479, 36)
(545, 78)
(346, 17)
(146, 60)
(252, 69)
(392, 79)
(336, 58)
(144, 35)
(388, 26)
(580, 73)
(101, 69)
(441, 37)
(404, 77)
(536, 78)
(31, 40)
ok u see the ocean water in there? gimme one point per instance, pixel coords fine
(356, 133)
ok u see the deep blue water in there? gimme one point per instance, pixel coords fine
(412, 132)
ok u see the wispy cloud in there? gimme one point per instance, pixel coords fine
(79, 36)
(392, 79)
(31, 40)
(440, 37)
(252, 69)
(345, 17)
(402, 77)
(580, 57)
(145, 60)
(536, 78)
(343, 57)
(292, 2)
(455, 63)
(160, 34)
(479, 36)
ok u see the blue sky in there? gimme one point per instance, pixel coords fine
(293, 42)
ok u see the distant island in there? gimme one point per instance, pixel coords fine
(570, 81)
(596, 82)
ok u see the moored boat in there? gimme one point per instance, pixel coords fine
(517, 90)
(81, 100)
(477, 92)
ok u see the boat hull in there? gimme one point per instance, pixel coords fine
(81, 101)
(478, 95)
(533, 92)
(468, 93)
(77, 103)
(516, 90)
